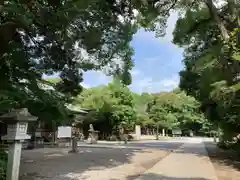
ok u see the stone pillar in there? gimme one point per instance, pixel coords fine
(14, 157)
(74, 140)
(74, 145)
(138, 132)
(163, 132)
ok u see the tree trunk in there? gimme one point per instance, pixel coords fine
(214, 14)
(157, 133)
(53, 133)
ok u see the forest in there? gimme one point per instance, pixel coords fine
(116, 107)
(69, 37)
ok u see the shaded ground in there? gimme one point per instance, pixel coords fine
(153, 176)
(89, 164)
(226, 163)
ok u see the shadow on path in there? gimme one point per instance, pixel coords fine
(57, 164)
(225, 157)
(152, 176)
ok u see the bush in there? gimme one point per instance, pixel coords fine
(3, 164)
(113, 138)
(130, 137)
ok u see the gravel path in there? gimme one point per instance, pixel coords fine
(88, 164)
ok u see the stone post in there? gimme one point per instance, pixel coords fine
(138, 132)
(163, 132)
(17, 123)
(74, 139)
(74, 145)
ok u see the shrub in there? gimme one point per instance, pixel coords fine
(3, 164)
(113, 138)
(130, 137)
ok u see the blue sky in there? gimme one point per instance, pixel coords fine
(157, 63)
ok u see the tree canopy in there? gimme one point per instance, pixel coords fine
(116, 106)
(44, 37)
(176, 110)
(209, 33)
(112, 104)
(67, 38)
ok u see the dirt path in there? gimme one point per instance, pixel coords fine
(226, 163)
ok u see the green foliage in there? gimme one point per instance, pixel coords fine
(43, 37)
(141, 103)
(116, 107)
(113, 107)
(3, 164)
(210, 36)
(170, 110)
(124, 113)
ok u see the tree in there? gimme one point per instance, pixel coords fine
(68, 37)
(176, 110)
(141, 101)
(210, 35)
(113, 107)
(124, 113)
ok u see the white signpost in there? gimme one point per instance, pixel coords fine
(177, 132)
(64, 132)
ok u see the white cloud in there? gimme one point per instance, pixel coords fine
(95, 78)
(85, 85)
(139, 85)
(170, 83)
(149, 85)
(135, 72)
(144, 82)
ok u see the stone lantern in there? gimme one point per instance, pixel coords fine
(17, 124)
(93, 135)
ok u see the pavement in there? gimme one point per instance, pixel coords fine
(162, 144)
(142, 160)
(190, 161)
(88, 164)
(155, 144)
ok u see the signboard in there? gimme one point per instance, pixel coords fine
(38, 134)
(64, 132)
(177, 131)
